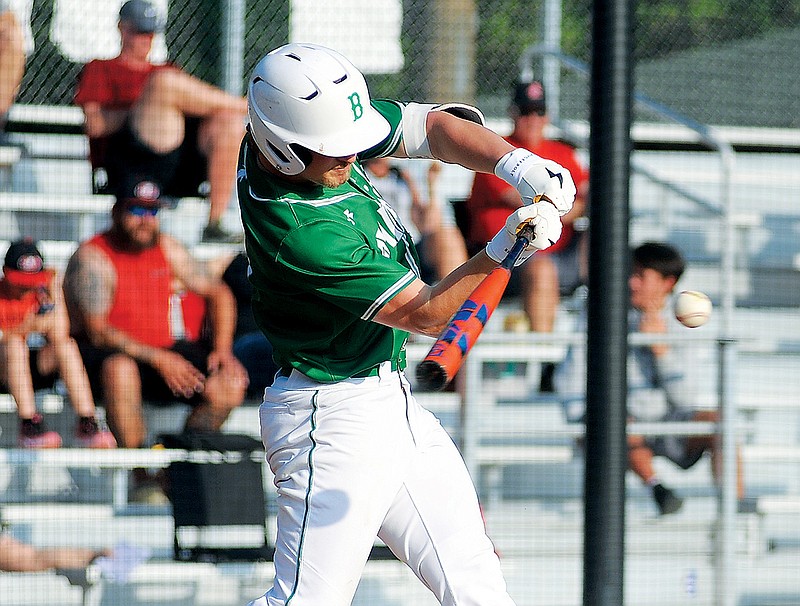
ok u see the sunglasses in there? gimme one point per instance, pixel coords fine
(143, 211)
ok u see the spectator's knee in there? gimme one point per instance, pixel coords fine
(159, 81)
(225, 390)
(15, 343)
(118, 371)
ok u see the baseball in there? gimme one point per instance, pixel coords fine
(692, 308)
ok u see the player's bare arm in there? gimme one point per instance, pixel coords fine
(460, 141)
(425, 309)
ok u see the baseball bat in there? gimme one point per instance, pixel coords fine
(448, 352)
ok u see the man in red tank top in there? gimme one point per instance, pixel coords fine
(129, 326)
(560, 268)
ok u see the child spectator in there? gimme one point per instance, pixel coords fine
(31, 302)
(662, 378)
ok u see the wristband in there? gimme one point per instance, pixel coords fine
(511, 167)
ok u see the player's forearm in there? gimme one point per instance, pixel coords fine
(426, 309)
(466, 143)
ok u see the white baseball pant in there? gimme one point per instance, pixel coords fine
(358, 459)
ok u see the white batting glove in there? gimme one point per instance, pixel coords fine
(546, 223)
(533, 176)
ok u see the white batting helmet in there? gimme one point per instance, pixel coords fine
(311, 96)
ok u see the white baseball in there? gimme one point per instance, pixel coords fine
(692, 308)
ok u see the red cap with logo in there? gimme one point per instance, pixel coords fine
(24, 265)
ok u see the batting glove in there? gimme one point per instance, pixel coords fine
(533, 177)
(546, 223)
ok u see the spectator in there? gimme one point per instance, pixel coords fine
(561, 268)
(431, 226)
(148, 122)
(444, 239)
(12, 59)
(119, 287)
(31, 303)
(16, 556)
(662, 385)
(250, 346)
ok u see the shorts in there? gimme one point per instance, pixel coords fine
(40, 381)
(127, 161)
(154, 389)
(675, 448)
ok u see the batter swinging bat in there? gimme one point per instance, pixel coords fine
(446, 355)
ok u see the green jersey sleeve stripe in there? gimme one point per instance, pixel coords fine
(387, 295)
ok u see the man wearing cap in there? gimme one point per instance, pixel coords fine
(31, 302)
(158, 123)
(119, 287)
(560, 267)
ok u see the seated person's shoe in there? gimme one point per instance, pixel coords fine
(546, 384)
(33, 434)
(89, 434)
(147, 494)
(667, 501)
(213, 232)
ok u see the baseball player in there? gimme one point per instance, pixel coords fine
(336, 289)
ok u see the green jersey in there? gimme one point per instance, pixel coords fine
(324, 261)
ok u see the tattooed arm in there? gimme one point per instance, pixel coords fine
(89, 284)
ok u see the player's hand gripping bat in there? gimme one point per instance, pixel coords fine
(448, 352)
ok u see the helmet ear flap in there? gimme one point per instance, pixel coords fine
(303, 155)
(286, 160)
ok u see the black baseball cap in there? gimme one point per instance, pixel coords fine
(529, 98)
(133, 191)
(142, 15)
(24, 265)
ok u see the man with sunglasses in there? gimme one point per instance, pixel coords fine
(560, 268)
(120, 288)
(155, 122)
